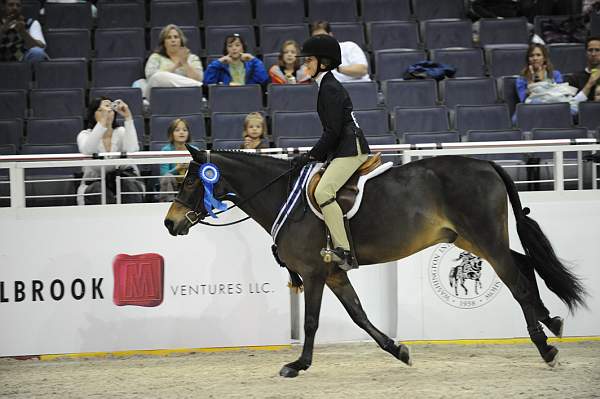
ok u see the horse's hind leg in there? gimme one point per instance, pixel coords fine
(554, 324)
(339, 283)
(313, 294)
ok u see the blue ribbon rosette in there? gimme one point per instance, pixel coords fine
(209, 174)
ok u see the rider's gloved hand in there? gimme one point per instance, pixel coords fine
(301, 160)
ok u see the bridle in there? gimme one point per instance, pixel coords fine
(196, 215)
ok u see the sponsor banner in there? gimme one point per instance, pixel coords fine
(95, 279)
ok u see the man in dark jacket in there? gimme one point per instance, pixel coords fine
(586, 80)
(342, 140)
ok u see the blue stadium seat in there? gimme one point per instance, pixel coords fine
(332, 10)
(420, 119)
(493, 31)
(373, 122)
(159, 125)
(445, 33)
(68, 15)
(116, 72)
(227, 125)
(468, 91)
(296, 124)
(68, 43)
(280, 11)
(175, 100)
(589, 115)
(506, 61)
(232, 144)
(273, 36)
(539, 21)
(192, 34)
(129, 14)
(131, 95)
(31, 149)
(51, 188)
(120, 43)
(215, 36)
(57, 103)
(508, 92)
(393, 35)
(12, 132)
(270, 59)
(138, 122)
(595, 25)
(436, 9)
(53, 130)
(20, 73)
(349, 32)
(497, 135)
(184, 13)
(482, 117)
(433, 137)
(247, 98)
(568, 57)
(391, 64)
(409, 93)
(468, 61)
(556, 134)
(295, 142)
(227, 12)
(158, 145)
(13, 104)
(292, 97)
(385, 10)
(7, 149)
(555, 115)
(363, 94)
(61, 74)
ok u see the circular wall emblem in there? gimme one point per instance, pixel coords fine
(462, 279)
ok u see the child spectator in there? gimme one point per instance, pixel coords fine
(255, 130)
(172, 174)
(288, 68)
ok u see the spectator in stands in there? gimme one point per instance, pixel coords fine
(172, 64)
(103, 135)
(255, 130)
(354, 67)
(288, 68)
(586, 80)
(236, 67)
(172, 174)
(538, 69)
(21, 39)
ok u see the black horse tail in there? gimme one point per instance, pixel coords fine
(559, 279)
(295, 279)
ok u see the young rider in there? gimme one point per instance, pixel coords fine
(342, 141)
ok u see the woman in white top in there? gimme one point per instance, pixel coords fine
(172, 64)
(103, 135)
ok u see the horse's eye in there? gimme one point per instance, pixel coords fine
(189, 180)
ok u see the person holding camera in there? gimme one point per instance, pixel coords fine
(103, 135)
(21, 39)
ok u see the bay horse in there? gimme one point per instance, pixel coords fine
(444, 199)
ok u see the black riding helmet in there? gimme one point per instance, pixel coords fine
(323, 47)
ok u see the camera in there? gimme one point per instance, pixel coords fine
(116, 104)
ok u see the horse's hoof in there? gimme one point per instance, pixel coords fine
(404, 354)
(288, 372)
(551, 357)
(556, 325)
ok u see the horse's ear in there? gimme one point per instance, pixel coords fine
(193, 151)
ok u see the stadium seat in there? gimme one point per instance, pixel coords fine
(292, 97)
(132, 96)
(409, 93)
(185, 13)
(129, 14)
(506, 61)
(436, 9)
(232, 144)
(13, 104)
(61, 74)
(482, 117)
(373, 122)
(53, 130)
(493, 31)
(393, 35)
(508, 92)
(332, 10)
(273, 36)
(159, 125)
(6, 149)
(227, 125)
(589, 115)
(510, 161)
(556, 134)
(540, 20)
(468, 61)
(57, 103)
(555, 115)
(349, 32)
(420, 119)
(227, 12)
(432, 137)
(568, 57)
(31, 149)
(120, 43)
(391, 64)
(31, 8)
(296, 124)
(385, 10)
(270, 59)
(20, 73)
(68, 43)
(444, 33)
(12, 132)
(51, 189)
(116, 72)
(495, 135)
(247, 98)
(138, 122)
(468, 91)
(363, 94)
(215, 37)
(175, 100)
(280, 11)
(158, 145)
(595, 24)
(286, 142)
(68, 15)
(192, 34)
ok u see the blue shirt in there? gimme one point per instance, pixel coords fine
(521, 84)
(218, 73)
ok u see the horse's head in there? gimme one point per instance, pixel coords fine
(188, 207)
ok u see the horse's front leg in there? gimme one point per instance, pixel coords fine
(313, 294)
(341, 286)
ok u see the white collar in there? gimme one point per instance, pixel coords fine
(319, 78)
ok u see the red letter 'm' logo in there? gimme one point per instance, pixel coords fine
(138, 280)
